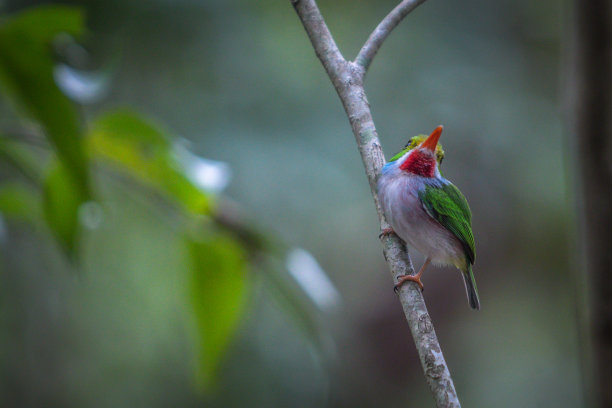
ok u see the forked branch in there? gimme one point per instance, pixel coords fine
(347, 78)
(382, 31)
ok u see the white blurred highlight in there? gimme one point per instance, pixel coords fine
(91, 215)
(312, 278)
(209, 175)
(81, 86)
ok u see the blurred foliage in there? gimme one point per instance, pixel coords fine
(21, 202)
(217, 291)
(62, 200)
(21, 158)
(62, 195)
(127, 141)
(26, 74)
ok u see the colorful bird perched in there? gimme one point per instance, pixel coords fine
(427, 211)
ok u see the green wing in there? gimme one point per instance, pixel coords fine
(449, 207)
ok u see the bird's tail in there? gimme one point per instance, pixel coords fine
(471, 289)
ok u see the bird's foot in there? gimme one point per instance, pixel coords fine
(405, 278)
(413, 278)
(386, 232)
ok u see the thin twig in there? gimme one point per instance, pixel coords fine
(347, 78)
(382, 31)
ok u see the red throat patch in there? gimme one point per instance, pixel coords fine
(420, 163)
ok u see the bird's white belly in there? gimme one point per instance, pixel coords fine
(405, 212)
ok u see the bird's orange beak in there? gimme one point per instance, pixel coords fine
(432, 140)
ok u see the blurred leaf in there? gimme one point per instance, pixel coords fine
(270, 251)
(20, 202)
(21, 158)
(43, 23)
(218, 287)
(26, 74)
(143, 151)
(62, 200)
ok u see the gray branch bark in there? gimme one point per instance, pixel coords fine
(382, 31)
(347, 78)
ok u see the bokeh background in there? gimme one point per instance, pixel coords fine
(240, 81)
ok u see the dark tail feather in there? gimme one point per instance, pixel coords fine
(471, 289)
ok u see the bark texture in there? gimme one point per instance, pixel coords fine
(347, 78)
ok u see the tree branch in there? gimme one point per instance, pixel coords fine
(322, 41)
(347, 78)
(382, 31)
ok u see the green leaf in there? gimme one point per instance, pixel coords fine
(26, 75)
(271, 254)
(62, 200)
(218, 287)
(43, 23)
(143, 151)
(19, 202)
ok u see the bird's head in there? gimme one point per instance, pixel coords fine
(422, 154)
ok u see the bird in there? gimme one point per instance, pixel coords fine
(427, 211)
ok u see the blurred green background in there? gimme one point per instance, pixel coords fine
(238, 82)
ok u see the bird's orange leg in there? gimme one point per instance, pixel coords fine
(413, 278)
(386, 232)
